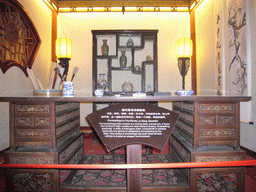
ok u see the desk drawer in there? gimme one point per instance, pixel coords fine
(69, 151)
(32, 109)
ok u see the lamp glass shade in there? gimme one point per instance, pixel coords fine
(63, 48)
(184, 47)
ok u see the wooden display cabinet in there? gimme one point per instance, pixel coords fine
(42, 133)
(208, 132)
(141, 55)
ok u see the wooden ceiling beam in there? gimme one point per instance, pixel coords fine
(125, 3)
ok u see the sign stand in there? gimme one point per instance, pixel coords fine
(133, 125)
(134, 175)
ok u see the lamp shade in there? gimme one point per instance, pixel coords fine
(63, 48)
(184, 47)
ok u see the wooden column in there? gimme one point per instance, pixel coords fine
(134, 175)
(54, 37)
(54, 34)
(193, 58)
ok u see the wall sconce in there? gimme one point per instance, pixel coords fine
(64, 53)
(184, 48)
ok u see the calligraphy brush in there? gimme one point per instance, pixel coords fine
(58, 72)
(74, 72)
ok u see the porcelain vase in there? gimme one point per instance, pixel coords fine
(104, 48)
(123, 60)
(102, 83)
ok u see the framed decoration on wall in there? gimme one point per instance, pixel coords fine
(218, 31)
(233, 51)
(231, 47)
(19, 39)
(237, 48)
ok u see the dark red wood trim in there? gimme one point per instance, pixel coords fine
(2, 161)
(2, 154)
(86, 129)
(2, 173)
(249, 152)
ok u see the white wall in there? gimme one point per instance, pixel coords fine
(78, 26)
(205, 48)
(14, 80)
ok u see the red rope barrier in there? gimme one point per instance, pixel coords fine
(214, 164)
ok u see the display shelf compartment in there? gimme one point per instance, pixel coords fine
(115, 62)
(111, 42)
(141, 53)
(127, 76)
(135, 38)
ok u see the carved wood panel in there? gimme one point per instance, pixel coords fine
(217, 108)
(32, 109)
(19, 39)
(208, 158)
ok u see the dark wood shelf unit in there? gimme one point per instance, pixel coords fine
(117, 40)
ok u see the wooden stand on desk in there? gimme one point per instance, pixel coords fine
(134, 175)
(132, 125)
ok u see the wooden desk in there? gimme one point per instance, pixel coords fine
(207, 130)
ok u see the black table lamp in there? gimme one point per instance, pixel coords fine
(184, 48)
(64, 53)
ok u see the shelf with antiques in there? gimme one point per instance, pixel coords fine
(42, 133)
(125, 61)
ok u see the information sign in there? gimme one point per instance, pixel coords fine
(133, 123)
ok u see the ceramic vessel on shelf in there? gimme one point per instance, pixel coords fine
(130, 42)
(104, 48)
(123, 60)
(185, 92)
(148, 58)
(127, 87)
(99, 92)
(149, 88)
(68, 88)
(102, 83)
(137, 68)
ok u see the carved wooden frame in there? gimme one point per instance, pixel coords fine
(19, 39)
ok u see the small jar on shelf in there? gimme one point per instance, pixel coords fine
(104, 48)
(130, 42)
(102, 82)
